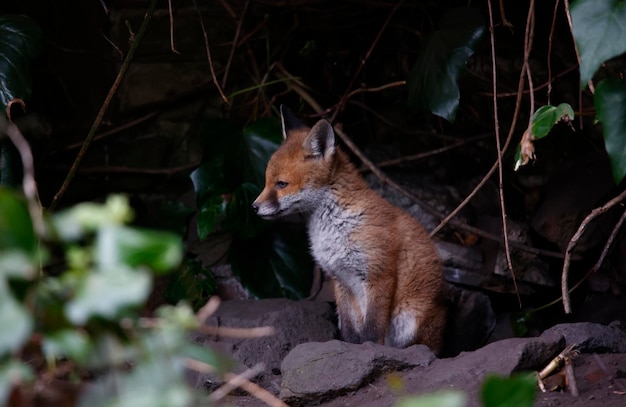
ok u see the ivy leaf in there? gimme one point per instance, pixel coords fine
(19, 253)
(87, 217)
(119, 245)
(107, 293)
(541, 124)
(600, 33)
(154, 382)
(14, 317)
(262, 138)
(610, 102)
(274, 264)
(21, 41)
(240, 220)
(518, 391)
(67, 343)
(433, 80)
(210, 214)
(16, 226)
(547, 116)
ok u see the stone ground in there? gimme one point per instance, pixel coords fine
(304, 365)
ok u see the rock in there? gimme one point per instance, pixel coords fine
(471, 320)
(590, 337)
(457, 256)
(465, 373)
(320, 371)
(295, 322)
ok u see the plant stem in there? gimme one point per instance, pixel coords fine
(105, 105)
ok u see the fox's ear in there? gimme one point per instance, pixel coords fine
(289, 121)
(320, 142)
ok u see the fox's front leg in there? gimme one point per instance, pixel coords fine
(377, 315)
(363, 317)
(349, 313)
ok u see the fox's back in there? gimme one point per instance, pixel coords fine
(387, 274)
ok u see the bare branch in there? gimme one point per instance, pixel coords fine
(107, 101)
(208, 54)
(574, 240)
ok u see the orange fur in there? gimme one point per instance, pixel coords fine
(387, 274)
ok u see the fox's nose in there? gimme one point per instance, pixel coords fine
(255, 207)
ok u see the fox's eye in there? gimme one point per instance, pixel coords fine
(281, 184)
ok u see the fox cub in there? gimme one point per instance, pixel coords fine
(387, 276)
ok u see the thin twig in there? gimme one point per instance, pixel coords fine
(104, 6)
(29, 185)
(556, 7)
(129, 170)
(110, 132)
(377, 88)
(105, 105)
(505, 22)
(235, 381)
(518, 104)
(507, 250)
(419, 156)
(208, 54)
(571, 30)
(225, 331)
(172, 46)
(609, 242)
(386, 180)
(596, 266)
(571, 378)
(533, 90)
(208, 309)
(235, 41)
(574, 240)
(346, 94)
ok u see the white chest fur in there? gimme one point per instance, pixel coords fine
(330, 230)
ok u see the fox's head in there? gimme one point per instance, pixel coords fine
(298, 173)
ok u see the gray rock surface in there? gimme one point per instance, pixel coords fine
(306, 368)
(294, 322)
(590, 337)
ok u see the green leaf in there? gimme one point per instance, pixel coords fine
(520, 321)
(16, 226)
(21, 41)
(120, 245)
(220, 171)
(209, 181)
(610, 102)
(12, 372)
(240, 220)
(276, 263)
(87, 217)
(433, 79)
(547, 116)
(16, 321)
(69, 343)
(263, 138)
(599, 28)
(156, 382)
(191, 282)
(439, 399)
(518, 390)
(108, 293)
(210, 213)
